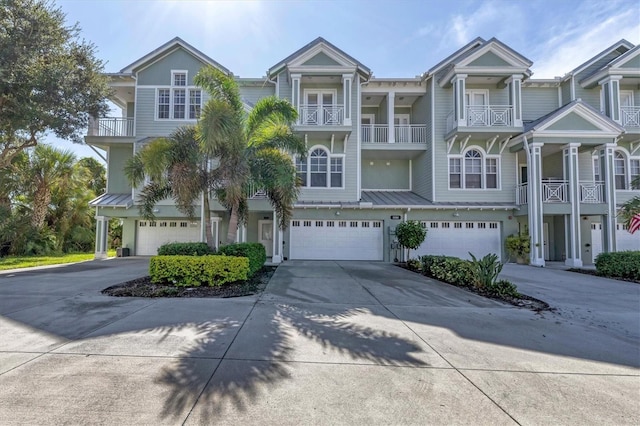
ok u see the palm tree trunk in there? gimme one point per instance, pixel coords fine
(207, 223)
(233, 225)
(41, 201)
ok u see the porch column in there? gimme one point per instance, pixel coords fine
(295, 95)
(611, 97)
(276, 257)
(606, 153)
(346, 87)
(459, 100)
(572, 239)
(102, 234)
(515, 100)
(391, 115)
(535, 206)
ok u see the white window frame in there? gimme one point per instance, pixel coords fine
(172, 88)
(330, 156)
(628, 158)
(483, 178)
(469, 92)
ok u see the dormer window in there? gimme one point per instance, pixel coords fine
(179, 101)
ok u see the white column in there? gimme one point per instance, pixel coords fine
(535, 206)
(102, 234)
(346, 87)
(515, 99)
(608, 172)
(277, 245)
(295, 95)
(572, 240)
(391, 115)
(459, 100)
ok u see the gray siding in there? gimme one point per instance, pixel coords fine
(252, 94)
(146, 124)
(538, 101)
(566, 92)
(159, 73)
(590, 96)
(285, 87)
(421, 179)
(377, 174)
(117, 156)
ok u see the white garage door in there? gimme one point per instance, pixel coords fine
(153, 234)
(459, 238)
(624, 239)
(336, 239)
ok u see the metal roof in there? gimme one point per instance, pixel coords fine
(112, 200)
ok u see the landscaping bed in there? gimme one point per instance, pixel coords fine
(143, 287)
(595, 273)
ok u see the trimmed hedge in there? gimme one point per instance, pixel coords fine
(194, 271)
(255, 252)
(184, 249)
(449, 269)
(622, 264)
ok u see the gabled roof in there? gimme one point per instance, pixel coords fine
(166, 48)
(622, 45)
(615, 66)
(478, 47)
(316, 46)
(602, 125)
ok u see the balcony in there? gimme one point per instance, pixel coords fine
(498, 118)
(320, 115)
(111, 127)
(403, 134)
(556, 191)
(630, 116)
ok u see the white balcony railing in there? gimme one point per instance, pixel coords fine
(489, 115)
(554, 191)
(319, 115)
(110, 126)
(407, 133)
(630, 116)
(521, 194)
(592, 192)
(254, 191)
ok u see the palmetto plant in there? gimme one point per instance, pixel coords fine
(631, 207)
(249, 149)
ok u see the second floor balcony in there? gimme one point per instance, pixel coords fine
(484, 117)
(321, 115)
(557, 191)
(111, 127)
(402, 134)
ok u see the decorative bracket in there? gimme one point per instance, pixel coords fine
(504, 143)
(490, 143)
(450, 143)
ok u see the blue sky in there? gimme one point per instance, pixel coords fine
(400, 38)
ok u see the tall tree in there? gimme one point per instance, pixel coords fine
(250, 150)
(172, 167)
(50, 80)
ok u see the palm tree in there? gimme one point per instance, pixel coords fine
(250, 149)
(172, 167)
(631, 207)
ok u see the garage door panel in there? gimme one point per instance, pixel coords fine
(152, 234)
(336, 240)
(459, 238)
(624, 239)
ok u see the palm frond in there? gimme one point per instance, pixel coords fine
(149, 197)
(270, 107)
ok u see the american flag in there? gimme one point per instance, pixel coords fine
(634, 224)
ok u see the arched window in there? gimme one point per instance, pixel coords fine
(320, 169)
(473, 171)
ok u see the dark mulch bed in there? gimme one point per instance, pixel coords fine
(593, 272)
(523, 301)
(143, 287)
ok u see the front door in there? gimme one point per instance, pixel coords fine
(545, 235)
(265, 235)
(320, 109)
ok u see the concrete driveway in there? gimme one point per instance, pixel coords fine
(326, 343)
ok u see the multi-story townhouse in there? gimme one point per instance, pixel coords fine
(474, 148)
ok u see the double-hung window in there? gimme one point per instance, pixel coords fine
(320, 169)
(179, 101)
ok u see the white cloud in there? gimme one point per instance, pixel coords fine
(567, 49)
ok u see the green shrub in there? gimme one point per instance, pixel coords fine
(410, 235)
(414, 265)
(448, 269)
(518, 246)
(504, 288)
(184, 249)
(622, 264)
(255, 252)
(486, 270)
(193, 271)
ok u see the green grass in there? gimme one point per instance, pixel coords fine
(16, 262)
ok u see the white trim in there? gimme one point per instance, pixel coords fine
(410, 174)
(433, 138)
(499, 51)
(321, 47)
(358, 143)
(330, 155)
(483, 174)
